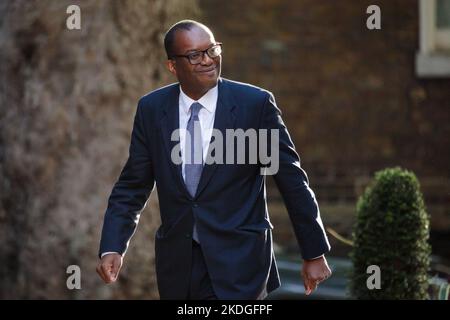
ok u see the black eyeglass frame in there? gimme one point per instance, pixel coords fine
(188, 56)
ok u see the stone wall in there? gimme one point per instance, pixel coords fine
(67, 104)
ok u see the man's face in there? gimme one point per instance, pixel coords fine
(197, 79)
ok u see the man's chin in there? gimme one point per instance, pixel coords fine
(209, 82)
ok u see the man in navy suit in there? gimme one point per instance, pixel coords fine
(215, 239)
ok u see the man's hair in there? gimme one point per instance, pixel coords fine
(169, 38)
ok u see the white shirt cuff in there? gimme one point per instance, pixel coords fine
(109, 252)
(317, 257)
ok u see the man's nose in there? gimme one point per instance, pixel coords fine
(206, 60)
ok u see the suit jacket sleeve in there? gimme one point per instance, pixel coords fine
(292, 182)
(130, 193)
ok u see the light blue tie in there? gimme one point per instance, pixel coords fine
(193, 155)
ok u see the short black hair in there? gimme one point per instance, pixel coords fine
(169, 38)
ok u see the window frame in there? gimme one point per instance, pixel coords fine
(433, 58)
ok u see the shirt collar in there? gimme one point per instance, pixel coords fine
(208, 100)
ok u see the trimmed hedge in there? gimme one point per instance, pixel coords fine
(391, 231)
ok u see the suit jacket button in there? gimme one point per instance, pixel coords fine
(195, 205)
(188, 235)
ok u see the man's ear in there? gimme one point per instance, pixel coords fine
(170, 64)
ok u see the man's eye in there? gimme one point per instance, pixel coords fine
(194, 55)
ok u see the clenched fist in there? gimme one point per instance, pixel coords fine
(314, 272)
(109, 267)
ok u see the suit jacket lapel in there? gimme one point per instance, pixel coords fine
(224, 119)
(169, 123)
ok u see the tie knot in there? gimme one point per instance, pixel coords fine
(195, 108)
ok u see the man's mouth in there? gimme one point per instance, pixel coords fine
(210, 70)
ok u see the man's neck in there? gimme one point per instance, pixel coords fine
(195, 95)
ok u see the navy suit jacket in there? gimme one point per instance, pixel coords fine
(229, 207)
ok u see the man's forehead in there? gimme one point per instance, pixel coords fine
(193, 39)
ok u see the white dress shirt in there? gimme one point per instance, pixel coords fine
(205, 116)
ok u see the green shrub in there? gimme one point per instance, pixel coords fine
(391, 231)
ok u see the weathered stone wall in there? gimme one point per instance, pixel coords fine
(67, 104)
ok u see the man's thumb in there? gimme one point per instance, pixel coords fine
(306, 285)
(115, 268)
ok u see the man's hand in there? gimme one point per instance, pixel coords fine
(109, 267)
(313, 272)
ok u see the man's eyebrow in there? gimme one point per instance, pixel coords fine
(196, 50)
(191, 51)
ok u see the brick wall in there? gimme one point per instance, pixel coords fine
(349, 95)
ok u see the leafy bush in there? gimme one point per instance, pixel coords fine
(392, 231)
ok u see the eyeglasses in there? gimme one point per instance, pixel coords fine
(197, 56)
